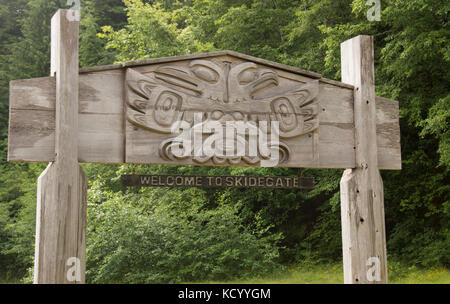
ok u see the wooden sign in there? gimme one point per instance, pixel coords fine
(216, 109)
(274, 182)
(126, 112)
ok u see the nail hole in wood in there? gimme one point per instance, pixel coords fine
(361, 220)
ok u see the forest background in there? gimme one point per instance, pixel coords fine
(158, 235)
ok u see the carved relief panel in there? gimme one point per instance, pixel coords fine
(281, 107)
(127, 112)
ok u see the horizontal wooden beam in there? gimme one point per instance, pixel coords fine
(100, 119)
(102, 127)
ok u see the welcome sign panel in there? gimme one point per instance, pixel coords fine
(127, 113)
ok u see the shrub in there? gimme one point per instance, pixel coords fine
(132, 239)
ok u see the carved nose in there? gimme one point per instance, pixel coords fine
(267, 78)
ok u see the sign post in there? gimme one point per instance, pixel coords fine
(362, 198)
(61, 195)
(215, 109)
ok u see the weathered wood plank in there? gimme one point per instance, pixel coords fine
(32, 116)
(60, 225)
(362, 201)
(32, 137)
(33, 94)
(99, 93)
(101, 138)
(388, 134)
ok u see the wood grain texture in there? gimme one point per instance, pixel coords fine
(100, 119)
(388, 134)
(101, 98)
(362, 199)
(61, 212)
(61, 195)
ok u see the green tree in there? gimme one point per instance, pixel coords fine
(25, 54)
(412, 66)
(94, 15)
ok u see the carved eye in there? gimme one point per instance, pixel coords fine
(247, 76)
(206, 73)
(166, 108)
(285, 114)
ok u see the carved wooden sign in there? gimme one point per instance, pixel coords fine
(127, 114)
(225, 94)
(221, 108)
(273, 182)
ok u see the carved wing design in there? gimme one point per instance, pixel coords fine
(155, 101)
(151, 105)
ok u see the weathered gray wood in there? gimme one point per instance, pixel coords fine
(388, 133)
(101, 98)
(60, 223)
(100, 121)
(362, 201)
(61, 203)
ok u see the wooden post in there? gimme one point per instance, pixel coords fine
(362, 201)
(61, 197)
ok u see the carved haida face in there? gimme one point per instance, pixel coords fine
(225, 84)
(223, 93)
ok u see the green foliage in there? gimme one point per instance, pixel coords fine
(331, 273)
(151, 32)
(437, 123)
(92, 48)
(174, 235)
(24, 54)
(17, 217)
(412, 65)
(167, 235)
(94, 15)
